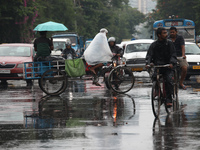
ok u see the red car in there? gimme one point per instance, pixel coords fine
(12, 57)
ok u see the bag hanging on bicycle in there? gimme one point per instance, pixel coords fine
(74, 67)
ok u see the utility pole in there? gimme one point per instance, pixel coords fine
(140, 5)
(75, 22)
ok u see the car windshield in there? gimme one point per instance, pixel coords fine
(192, 49)
(137, 47)
(59, 45)
(16, 51)
(72, 38)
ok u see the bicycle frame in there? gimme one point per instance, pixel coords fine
(159, 82)
(159, 98)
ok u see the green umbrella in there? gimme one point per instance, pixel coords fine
(50, 26)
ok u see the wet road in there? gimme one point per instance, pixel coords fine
(87, 117)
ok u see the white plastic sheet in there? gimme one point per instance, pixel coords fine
(98, 51)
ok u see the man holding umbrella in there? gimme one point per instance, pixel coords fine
(43, 47)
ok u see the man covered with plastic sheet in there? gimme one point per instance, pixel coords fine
(98, 52)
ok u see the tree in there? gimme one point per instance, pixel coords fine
(85, 17)
(119, 18)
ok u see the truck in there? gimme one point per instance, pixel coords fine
(76, 40)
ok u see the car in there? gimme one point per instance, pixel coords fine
(12, 57)
(87, 43)
(135, 53)
(192, 52)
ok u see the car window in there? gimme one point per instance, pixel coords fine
(192, 49)
(137, 47)
(59, 45)
(17, 51)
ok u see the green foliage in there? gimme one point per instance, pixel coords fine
(119, 18)
(85, 17)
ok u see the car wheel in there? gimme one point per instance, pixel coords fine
(4, 82)
(29, 82)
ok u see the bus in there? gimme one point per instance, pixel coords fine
(185, 27)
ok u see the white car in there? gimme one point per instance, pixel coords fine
(59, 46)
(192, 53)
(135, 53)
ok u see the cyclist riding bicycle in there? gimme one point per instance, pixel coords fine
(116, 50)
(179, 44)
(162, 52)
(69, 52)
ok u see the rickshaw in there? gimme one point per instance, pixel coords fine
(53, 76)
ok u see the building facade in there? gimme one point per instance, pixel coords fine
(144, 6)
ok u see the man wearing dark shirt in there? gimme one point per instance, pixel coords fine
(69, 52)
(42, 46)
(179, 44)
(114, 48)
(162, 52)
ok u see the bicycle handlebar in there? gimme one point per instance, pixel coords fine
(180, 57)
(160, 66)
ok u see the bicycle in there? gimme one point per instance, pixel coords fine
(158, 94)
(53, 80)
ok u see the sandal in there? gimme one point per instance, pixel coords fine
(96, 83)
(168, 103)
(182, 87)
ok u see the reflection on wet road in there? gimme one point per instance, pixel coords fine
(90, 117)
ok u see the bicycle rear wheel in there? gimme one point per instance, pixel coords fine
(121, 80)
(156, 99)
(53, 82)
(175, 94)
(175, 101)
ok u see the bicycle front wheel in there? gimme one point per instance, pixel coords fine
(175, 94)
(53, 82)
(175, 100)
(121, 80)
(156, 99)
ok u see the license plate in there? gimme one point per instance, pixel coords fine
(5, 71)
(137, 69)
(196, 67)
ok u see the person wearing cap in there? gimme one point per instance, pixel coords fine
(68, 52)
(43, 47)
(116, 50)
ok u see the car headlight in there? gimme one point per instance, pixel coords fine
(123, 61)
(20, 65)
